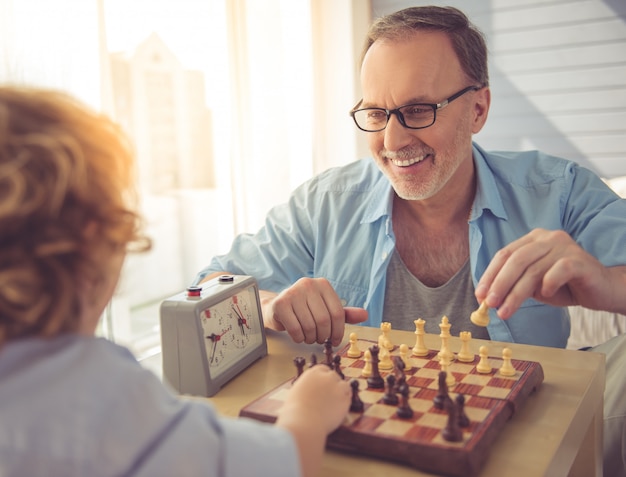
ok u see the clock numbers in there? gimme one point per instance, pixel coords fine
(230, 328)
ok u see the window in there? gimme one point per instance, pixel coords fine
(206, 90)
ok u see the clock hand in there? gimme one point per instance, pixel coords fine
(212, 337)
(241, 320)
(215, 338)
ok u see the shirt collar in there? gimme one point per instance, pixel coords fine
(487, 192)
(381, 198)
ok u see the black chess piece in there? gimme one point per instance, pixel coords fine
(442, 395)
(404, 410)
(462, 418)
(357, 404)
(313, 361)
(299, 361)
(452, 432)
(375, 381)
(399, 382)
(398, 367)
(390, 397)
(328, 351)
(337, 366)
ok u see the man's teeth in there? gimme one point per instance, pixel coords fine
(407, 162)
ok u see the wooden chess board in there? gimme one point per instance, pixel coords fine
(490, 401)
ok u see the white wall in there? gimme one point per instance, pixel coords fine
(558, 76)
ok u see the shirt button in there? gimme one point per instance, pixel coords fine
(344, 302)
(384, 256)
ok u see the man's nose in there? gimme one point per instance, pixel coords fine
(396, 135)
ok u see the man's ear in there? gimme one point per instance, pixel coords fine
(482, 101)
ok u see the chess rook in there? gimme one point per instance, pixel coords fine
(465, 355)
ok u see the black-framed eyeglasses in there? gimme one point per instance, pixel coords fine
(411, 116)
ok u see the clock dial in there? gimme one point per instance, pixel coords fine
(231, 329)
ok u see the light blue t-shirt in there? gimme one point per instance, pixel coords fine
(338, 226)
(79, 406)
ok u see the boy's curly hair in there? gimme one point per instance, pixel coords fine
(66, 205)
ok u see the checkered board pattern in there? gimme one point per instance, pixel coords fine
(490, 401)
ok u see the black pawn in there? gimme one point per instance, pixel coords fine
(442, 396)
(390, 397)
(375, 381)
(460, 404)
(356, 405)
(328, 351)
(404, 411)
(313, 360)
(299, 361)
(452, 432)
(337, 366)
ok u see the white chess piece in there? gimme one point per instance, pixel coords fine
(420, 348)
(445, 335)
(384, 357)
(507, 368)
(483, 365)
(445, 366)
(480, 317)
(444, 326)
(404, 355)
(353, 350)
(385, 327)
(465, 354)
(367, 369)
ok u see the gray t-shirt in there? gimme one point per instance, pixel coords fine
(407, 299)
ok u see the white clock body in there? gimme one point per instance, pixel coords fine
(210, 333)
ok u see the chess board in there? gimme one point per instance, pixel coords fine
(490, 401)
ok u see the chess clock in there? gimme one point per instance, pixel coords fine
(210, 333)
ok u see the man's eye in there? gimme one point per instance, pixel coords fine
(376, 115)
(416, 110)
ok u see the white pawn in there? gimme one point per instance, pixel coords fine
(507, 368)
(404, 355)
(483, 365)
(480, 317)
(420, 348)
(445, 364)
(465, 354)
(353, 351)
(367, 369)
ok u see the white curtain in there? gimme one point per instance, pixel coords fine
(278, 77)
(53, 44)
(270, 53)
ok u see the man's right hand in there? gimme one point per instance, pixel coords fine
(310, 311)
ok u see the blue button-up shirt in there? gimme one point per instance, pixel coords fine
(338, 226)
(83, 406)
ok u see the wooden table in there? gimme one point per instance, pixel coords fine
(558, 432)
